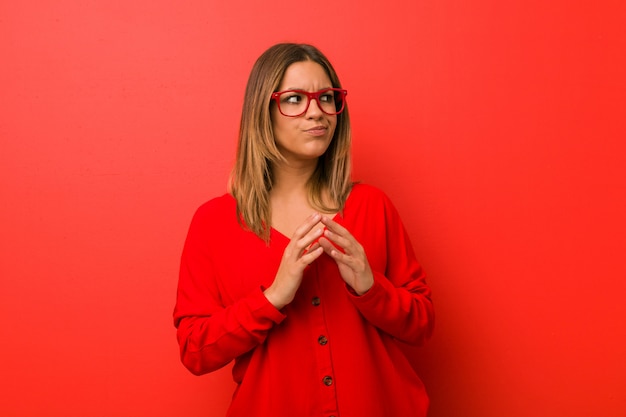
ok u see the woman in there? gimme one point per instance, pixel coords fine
(306, 280)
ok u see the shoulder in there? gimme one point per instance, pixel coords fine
(218, 205)
(366, 193)
(367, 198)
(214, 222)
(217, 211)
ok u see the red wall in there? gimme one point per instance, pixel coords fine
(496, 127)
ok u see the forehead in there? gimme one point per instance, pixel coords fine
(305, 75)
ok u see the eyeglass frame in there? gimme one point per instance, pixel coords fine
(312, 96)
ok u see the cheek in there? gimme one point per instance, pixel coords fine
(333, 125)
(274, 118)
(283, 131)
(278, 124)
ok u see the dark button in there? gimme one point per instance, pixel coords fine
(327, 380)
(315, 301)
(322, 340)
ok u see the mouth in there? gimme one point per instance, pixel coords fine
(317, 130)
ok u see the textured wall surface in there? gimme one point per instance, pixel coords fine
(497, 128)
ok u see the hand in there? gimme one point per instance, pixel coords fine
(300, 253)
(353, 265)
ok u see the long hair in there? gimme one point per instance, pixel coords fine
(251, 178)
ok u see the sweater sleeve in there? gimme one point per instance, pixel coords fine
(211, 334)
(399, 303)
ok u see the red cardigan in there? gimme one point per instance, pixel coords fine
(329, 352)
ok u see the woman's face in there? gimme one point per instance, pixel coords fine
(306, 137)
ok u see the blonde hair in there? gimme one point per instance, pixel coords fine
(251, 178)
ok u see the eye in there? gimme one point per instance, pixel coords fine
(328, 97)
(292, 98)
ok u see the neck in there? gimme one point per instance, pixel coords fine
(292, 178)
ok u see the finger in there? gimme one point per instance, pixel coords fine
(328, 246)
(334, 226)
(305, 243)
(310, 256)
(301, 238)
(312, 247)
(306, 227)
(342, 242)
(339, 256)
(339, 235)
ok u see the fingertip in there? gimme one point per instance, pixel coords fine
(314, 254)
(328, 221)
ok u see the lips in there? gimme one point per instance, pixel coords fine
(317, 130)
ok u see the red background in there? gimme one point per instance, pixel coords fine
(496, 127)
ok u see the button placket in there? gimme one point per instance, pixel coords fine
(319, 329)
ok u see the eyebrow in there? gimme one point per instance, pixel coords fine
(302, 89)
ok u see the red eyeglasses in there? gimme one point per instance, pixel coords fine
(294, 103)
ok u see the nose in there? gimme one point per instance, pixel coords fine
(314, 111)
